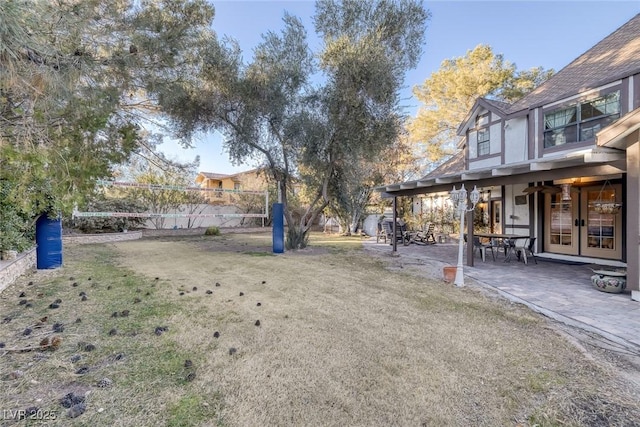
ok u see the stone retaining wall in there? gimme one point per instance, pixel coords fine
(84, 239)
(12, 269)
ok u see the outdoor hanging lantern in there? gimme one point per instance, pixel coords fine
(566, 192)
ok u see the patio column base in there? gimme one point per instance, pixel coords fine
(635, 295)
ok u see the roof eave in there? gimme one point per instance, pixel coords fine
(584, 157)
(615, 135)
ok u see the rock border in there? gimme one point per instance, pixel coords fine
(85, 239)
(10, 270)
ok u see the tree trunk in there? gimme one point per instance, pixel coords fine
(355, 219)
(297, 237)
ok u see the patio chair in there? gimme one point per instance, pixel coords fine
(482, 248)
(527, 250)
(425, 237)
(517, 246)
(381, 234)
(509, 248)
(402, 235)
(430, 237)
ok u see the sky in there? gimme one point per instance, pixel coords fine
(549, 34)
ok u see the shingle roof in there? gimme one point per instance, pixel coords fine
(499, 105)
(614, 57)
(491, 104)
(454, 164)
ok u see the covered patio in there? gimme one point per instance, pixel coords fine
(559, 290)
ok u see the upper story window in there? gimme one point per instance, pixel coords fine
(482, 132)
(580, 122)
(236, 186)
(482, 120)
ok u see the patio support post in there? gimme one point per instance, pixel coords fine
(394, 243)
(632, 206)
(459, 199)
(470, 247)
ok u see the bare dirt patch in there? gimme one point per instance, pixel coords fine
(327, 336)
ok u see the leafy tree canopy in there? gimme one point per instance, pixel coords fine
(271, 111)
(78, 80)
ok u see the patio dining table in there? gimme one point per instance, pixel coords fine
(509, 243)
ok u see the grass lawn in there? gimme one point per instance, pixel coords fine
(207, 331)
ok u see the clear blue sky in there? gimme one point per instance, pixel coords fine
(550, 34)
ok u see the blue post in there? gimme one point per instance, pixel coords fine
(278, 228)
(49, 241)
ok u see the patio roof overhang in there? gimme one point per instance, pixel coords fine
(615, 136)
(595, 161)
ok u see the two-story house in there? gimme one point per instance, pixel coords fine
(561, 164)
(216, 185)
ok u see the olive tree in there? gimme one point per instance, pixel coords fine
(304, 116)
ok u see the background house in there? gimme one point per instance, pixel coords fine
(253, 179)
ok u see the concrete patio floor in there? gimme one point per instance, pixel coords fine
(558, 290)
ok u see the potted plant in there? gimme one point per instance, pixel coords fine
(449, 273)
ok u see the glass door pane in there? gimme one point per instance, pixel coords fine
(561, 231)
(496, 215)
(600, 230)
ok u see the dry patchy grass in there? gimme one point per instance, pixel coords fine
(341, 341)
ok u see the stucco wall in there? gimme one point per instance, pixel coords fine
(12, 269)
(205, 209)
(515, 215)
(484, 163)
(370, 224)
(515, 135)
(495, 138)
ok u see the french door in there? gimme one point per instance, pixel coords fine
(601, 233)
(561, 233)
(576, 227)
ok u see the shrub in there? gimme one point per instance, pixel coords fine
(212, 231)
(17, 231)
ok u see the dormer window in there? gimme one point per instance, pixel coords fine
(482, 132)
(580, 122)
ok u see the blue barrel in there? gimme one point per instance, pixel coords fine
(49, 241)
